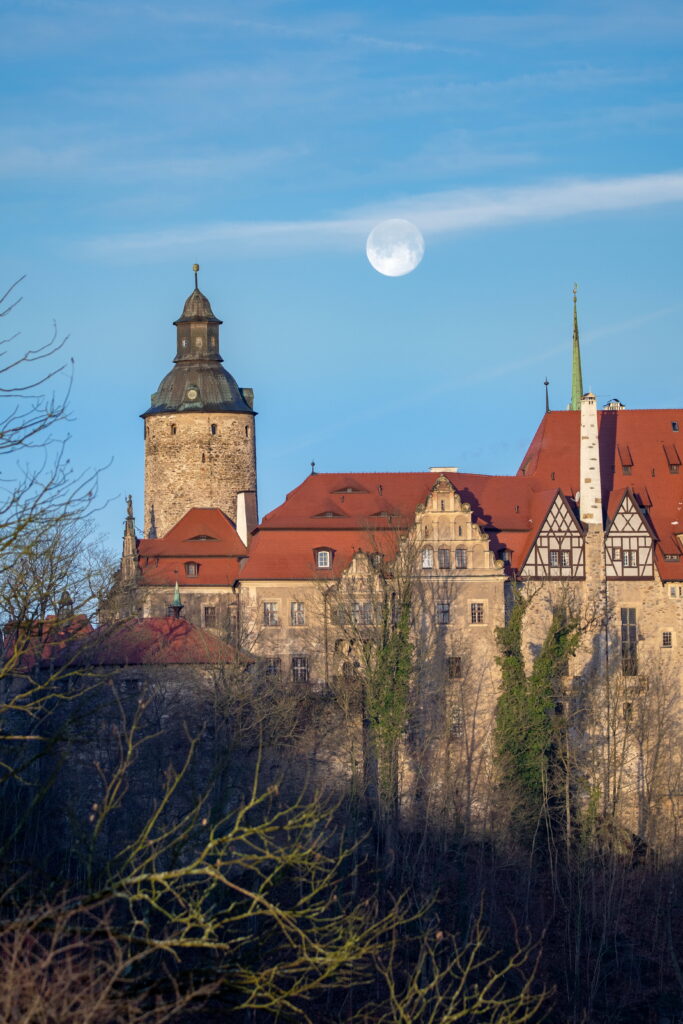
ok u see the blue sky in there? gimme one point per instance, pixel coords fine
(533, 144)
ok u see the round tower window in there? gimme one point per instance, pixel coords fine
(192, 394)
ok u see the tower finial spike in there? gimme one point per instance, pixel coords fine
(195, 267)
(577, 377)
(546, 382)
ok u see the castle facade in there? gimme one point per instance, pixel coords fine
(593, 516)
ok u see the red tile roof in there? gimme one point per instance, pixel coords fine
(162, 560)
(628, 437)
(167, 641)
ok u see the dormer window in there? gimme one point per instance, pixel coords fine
(324, 558)
(191, 568)
(674, 425)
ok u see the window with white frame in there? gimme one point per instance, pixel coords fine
(271, 616)
(629, 558)
(427, 558)
(565, 560)
(296, 613)
(554, 558)
(443, 613)
(300, 668)
(324, 559)
(476, 612)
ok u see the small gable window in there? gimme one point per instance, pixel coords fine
(191, 568)
(324, 559)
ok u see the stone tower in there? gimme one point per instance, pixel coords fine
(200, 448)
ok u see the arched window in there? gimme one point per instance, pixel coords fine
(323, 558)
(173, 428)
(246, 431)
(428, 558)
(214, 428)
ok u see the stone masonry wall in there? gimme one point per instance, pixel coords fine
(193, 467)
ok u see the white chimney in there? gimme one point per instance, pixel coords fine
(590, 499)
(247, 515)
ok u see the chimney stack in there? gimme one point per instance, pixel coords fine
(590, 487)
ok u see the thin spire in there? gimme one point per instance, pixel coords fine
(577, 379)
(546, 382)
(195, 267)
(176, 596)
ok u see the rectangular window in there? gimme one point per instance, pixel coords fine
(673, 467)
(376, 560)
(191, 569)
(444, 558)
(457, 721)
(210, 617)
(629, 559)
(554, 558)
(427, 558)
(616, 555)
(300, 669)
(296, 613)
(565, 560)
(629, 642)
(272, 667)
(667, 639)
(270, 614)
(461, 558)
(455, 667)
(477, 612)
(443, 613)
(323, 560)
(626, 470)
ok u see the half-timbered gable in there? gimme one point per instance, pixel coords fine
(629, 542)
(558, 550)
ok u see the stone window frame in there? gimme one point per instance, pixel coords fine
(271, 613)
(300, 668)
(443, 613)
(461, 558)
(428, 557)
(444, 558)
(297, 613)
(667, 639)
(478, 613)
(209, 611)
(454, 666)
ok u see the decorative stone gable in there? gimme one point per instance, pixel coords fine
(558, 551)
(448, 536)
(629, 543)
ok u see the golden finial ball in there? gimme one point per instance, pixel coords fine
(195, 267)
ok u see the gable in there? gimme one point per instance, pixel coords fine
(629, 542)
(557, 550)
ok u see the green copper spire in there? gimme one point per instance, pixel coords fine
(577, 380)
(177, 603)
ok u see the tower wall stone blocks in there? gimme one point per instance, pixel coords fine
(196, 460)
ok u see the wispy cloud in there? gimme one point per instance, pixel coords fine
(437, 214)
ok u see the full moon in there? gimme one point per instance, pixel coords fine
(395, 247)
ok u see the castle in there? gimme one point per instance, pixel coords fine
(595, 511)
